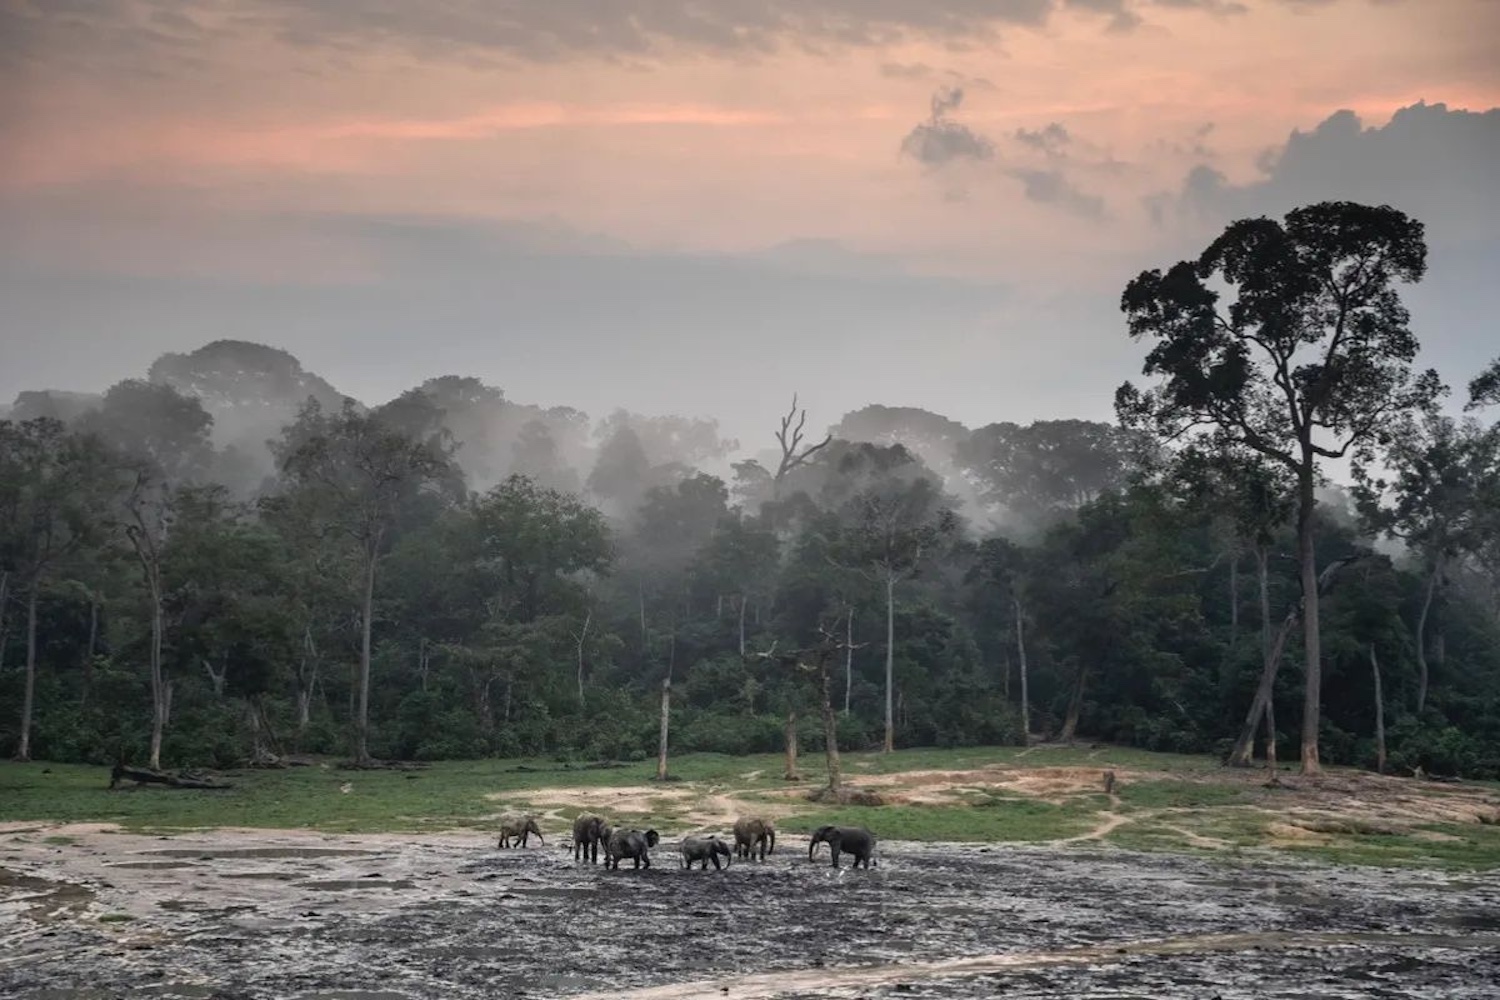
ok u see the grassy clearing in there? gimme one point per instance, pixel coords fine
(1162, 803)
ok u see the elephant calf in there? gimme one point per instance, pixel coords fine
(857, 840)
(751, 834)
(517, 827)
(631, 844)
(704, 849)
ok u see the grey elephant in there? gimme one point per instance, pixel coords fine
(856, 840)
(751, 834)
(589, 833)
(631, 844)
(516, 828)
(705, 849)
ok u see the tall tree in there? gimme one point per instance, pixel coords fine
(53, 485)
(353, 475)
(1311, 357)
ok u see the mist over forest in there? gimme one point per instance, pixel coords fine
(227, 560)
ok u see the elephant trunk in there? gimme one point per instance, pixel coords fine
(771, 837)
(812, 847)
(538, 833)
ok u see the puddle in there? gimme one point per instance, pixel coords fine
(343, 884)
(204, 854)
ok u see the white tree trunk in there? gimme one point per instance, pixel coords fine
(367, 613)
(848, 658)
(23, 748)
(1379, 714)
(1021, 656)
(890, 662)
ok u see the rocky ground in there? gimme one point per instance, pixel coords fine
(240, 914)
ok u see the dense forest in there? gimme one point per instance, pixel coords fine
(1289, 530)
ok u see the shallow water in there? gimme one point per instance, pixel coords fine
(460, 920)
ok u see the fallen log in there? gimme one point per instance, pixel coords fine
(151, 776)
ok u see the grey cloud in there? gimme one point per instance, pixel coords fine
(1050, 139)
(938, 142)
(941, 140)
(1430, 161)
(146, 34)
(1052, 187)
(907, 71)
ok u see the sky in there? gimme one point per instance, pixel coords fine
(703, 206)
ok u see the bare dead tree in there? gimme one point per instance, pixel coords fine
(790, 439)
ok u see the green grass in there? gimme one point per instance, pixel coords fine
(1474, 847)
(1018, 821)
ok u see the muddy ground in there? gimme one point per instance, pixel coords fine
(253, 914)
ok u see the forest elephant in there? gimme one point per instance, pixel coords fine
(705, 849)
(856, 840)
(517, 827)
(589, 834)
(631, 844)
(751, 834)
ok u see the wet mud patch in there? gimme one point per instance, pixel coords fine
(455, 918)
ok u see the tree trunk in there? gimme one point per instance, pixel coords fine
(830, 733)
(640, 593)
(1271, 738)
(4, 590)
(160, 693)
(791, 748)
(362, 725)
(1271, 652)
(1432, 583)
(848, 658)
(1021, 654)
(583, 635)
(216, 677)
(742, 626)
(424, 662)
(666, 713)
(23, 748)
(1234, 601)
(307, 680)
(1379, 714)
(1075, 708)
(89, 650)
(890, 661)
(1312, 639)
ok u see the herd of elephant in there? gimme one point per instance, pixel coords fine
(753, 837)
